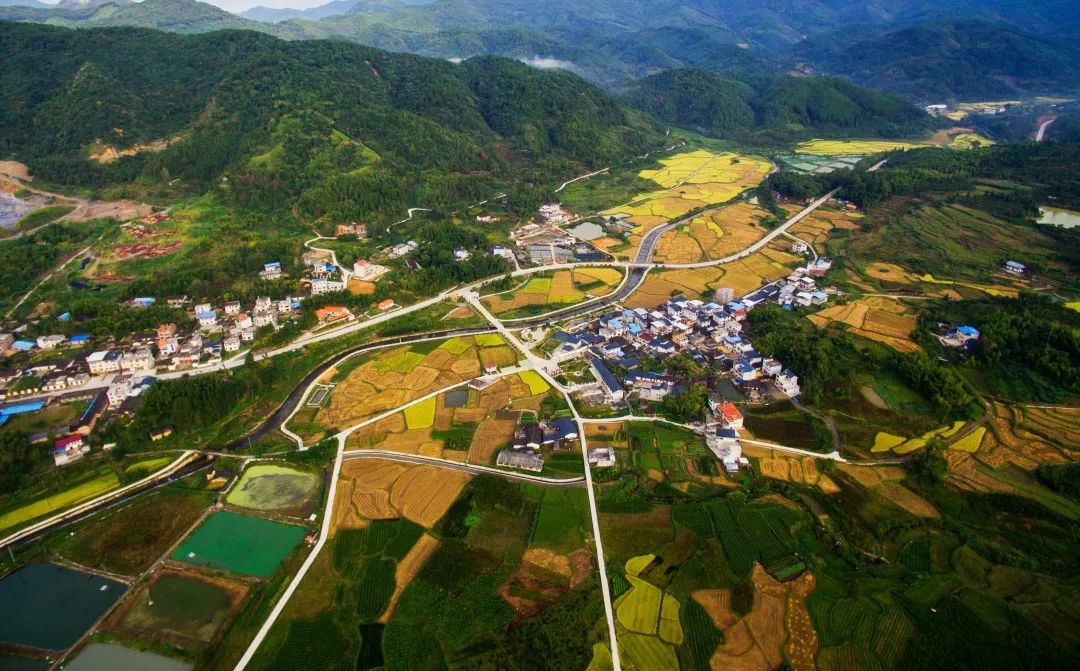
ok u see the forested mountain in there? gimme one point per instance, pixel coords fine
(776, 107)
(331, 124)
(333, 8)
(954, 59)
(179, 16)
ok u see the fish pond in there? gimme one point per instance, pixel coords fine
(49, 607)
(270, 487)
(240, 543)
(1056, 216)
(109, 657)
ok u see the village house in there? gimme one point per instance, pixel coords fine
(232, 308)
(119, 390)
(321, 286)
(799, 248)
(1015, 268)
(243, 320)
(314, 258)
(103, 362)
(601, 457)
(271, 270)
(137, 360)
(608, 382)
(69, 448)
(385, 305)
(650, 386)
(788, 383)
(725, 412)
(368, 271)
(50, 341)
(207, 320)
(231, 344)
(203, 307)
(331, 313)
(461, 254)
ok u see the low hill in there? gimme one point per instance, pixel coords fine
(952, 59)
(779, 107)
(332, 121)
(333, 8)
(179, 16)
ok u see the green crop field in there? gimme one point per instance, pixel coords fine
(59, 501)
(270, 487)
(240, 543)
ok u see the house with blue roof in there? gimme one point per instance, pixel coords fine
(608, 382)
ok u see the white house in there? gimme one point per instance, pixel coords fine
(50, 341)
(324, 286)
(231, 344)
(271, 271)
(207, 320)
(232, 308)
(788, 383)
(137, 360)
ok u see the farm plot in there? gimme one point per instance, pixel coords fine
(564, 287)
(271, 487)
(50, 504)
(881, 319)
(397, 376)
(690, 180)
(778, 623)
(816, 227)
(818, 147)
(885, 482)
(791, 468)
(183, 605)
(378, 489)
(225, 540)
(713, 235)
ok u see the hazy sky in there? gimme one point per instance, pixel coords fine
(241, 5)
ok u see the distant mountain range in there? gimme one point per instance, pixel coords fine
(905, 46)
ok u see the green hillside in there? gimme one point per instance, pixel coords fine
(778, 107)
(281, 119)
(970, 60)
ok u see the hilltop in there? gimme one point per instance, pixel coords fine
(275, 116)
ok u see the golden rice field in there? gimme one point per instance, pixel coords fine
(887, 442)
(564, 287)
(378, 489)
(819, 147)
(537, 384)
(970, 442)
(885, 481)
(816, 227)
(713, 235)
(396, 377)
(882, 319)
(690, 180)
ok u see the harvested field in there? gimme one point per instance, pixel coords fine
(965, 474)
(792, 468)
(690, 180)
(491, 435)
(361, 288)
(889, 272)
(564, 287)
(395, 377)
(713, 235)
(882, 319)
(885, 481)
(777, 622)
(816, 227)
(423, 494)
(1008, 440)
(407, 569)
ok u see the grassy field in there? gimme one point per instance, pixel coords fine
(225, 539)
(128, 539)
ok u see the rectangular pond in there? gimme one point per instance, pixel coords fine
(109, 657)
(240, 543)
(49, 607)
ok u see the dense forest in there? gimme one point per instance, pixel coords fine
(780, 108)
(1029, 347)
(962, 59)
(346, 130)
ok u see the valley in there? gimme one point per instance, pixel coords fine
(404, 363)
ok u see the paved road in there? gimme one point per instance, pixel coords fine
(1042, 129)
(558, 483)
